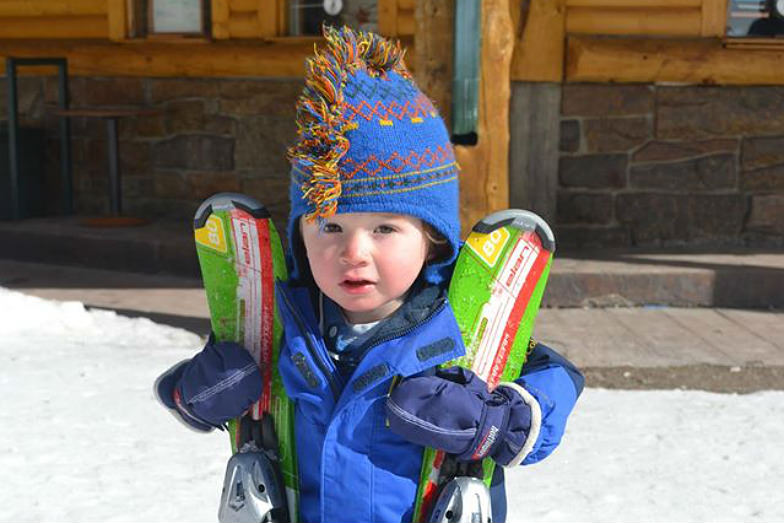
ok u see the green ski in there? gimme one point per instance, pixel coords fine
(241, 256)
(495, 293)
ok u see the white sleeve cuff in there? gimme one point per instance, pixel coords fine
(536, 422)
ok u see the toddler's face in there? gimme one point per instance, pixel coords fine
(365, 262)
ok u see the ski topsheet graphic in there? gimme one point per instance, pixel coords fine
(240, 255)
(495, 293)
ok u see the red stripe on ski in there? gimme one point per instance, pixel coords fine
(520, 306)
(267, 314)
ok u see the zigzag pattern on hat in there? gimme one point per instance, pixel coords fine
(417, 109)
(396, 162)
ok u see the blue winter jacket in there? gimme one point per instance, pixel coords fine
(352, 468)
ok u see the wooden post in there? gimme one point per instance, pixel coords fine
(220, 19)
(484, 177)
(118, 15)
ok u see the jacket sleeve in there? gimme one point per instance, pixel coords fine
(556, 384)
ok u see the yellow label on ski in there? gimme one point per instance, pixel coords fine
(212, 235)
(488, 246)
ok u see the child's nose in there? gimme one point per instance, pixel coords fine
(355, 249)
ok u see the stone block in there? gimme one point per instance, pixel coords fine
(654, 218)
(166, 89)
(716, 216)
(135, 158)
(183, 116)
(762, 152)
(150, 126)
(582, 236)
(767, 213)
(262, 142)
(218, 124)
(260, 97)
(170, 185)
(658, 151)
(768, 179)
(205, 184)
(606, 100)
(195, 152)
(593, 171)
(707, 173)
(578, 207)
(569, 136)
(136, 187)
(115, 91)
(605, 135)
(689, 113)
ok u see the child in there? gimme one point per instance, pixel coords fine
(373, 235)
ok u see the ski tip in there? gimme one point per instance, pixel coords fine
(519, 219)
(226, 201)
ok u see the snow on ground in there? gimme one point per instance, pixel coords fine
(82, 438)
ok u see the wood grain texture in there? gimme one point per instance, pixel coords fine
(387, 17)
(689, 61)
(539, 41)
(484, 177)
(658, 21)
(12, 8)
(117, 19)
(714, 17)
(51, 27)
(220, 19)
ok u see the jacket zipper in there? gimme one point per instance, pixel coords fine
(323, 367)
(402, 332)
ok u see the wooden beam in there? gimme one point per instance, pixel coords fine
(539, 41)
(150, 59)
(405, 22)
(634, 3)
(51, 27)
(387, 17)
(245, 6)
(634, 21)
(267, 18)
(689, 61)
(714, 17)
(434, 55)
(220, 19)
(484, 177)
(51, 8)
(243, 25)
(117, 19)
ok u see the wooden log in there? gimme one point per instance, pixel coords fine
(117, 20)
(484, 177)
(49, 27)
(434, 55)
(406, 25)
(245, 6)
(714, 17)
(220, 19)
(11, 8)
(633, 21)
(387, 17)
(688, 61)
(634, 3)
(407, 5)
(243, 25)
(266, 18)
(539, 41)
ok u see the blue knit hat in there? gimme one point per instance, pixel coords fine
(370, 141)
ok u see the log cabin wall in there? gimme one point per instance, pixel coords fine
(667, 134)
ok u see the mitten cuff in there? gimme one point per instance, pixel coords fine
(533, 431)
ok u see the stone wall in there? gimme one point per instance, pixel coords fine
(212, 135)
(663, 165)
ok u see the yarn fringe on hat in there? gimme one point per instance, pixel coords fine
(321, 124)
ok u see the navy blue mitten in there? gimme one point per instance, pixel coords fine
(453, 411)
(217, 384)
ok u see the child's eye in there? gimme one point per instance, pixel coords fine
(330, 227)
(385, 229)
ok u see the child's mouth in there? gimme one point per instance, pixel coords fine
(356, 286)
